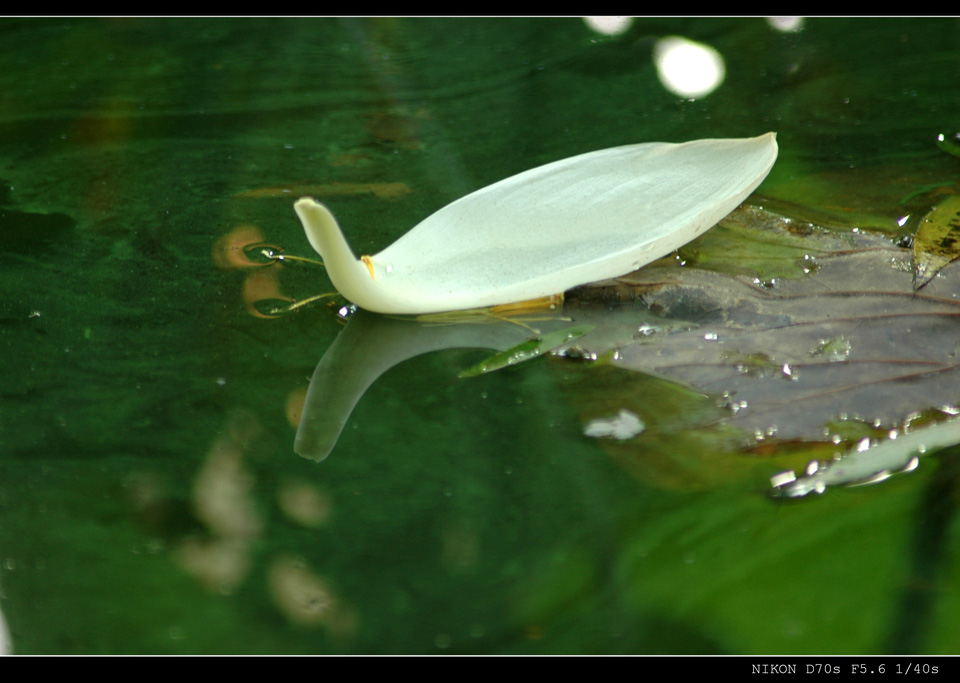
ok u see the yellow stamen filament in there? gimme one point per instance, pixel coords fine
(369, 263)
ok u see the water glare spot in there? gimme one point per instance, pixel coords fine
(786, 24)
(608, 26)
(687, 68)
(783, 478)
(344, 312)
(646, 330)
(625, 425)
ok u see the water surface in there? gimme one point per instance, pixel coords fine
(150, 497)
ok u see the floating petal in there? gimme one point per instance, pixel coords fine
(591, 217)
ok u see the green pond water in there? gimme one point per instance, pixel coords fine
(151, 499)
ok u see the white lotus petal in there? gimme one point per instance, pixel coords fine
(587, 218)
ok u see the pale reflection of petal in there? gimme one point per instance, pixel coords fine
(625, 425)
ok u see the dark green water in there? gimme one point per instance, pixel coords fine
(150, 497)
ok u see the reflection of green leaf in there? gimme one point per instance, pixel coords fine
(527, 350)
(948, 146)
(937, 241)
(925, 189)
(842, 200)
(563, 580)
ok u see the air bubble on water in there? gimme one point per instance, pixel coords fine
(735, 406)
(809, 265)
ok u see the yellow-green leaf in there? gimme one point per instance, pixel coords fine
(527, 350)
(937, 242)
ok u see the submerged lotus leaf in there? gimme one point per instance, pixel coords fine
(799, 358)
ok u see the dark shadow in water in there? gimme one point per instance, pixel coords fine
(29, 233)
(938, 508)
